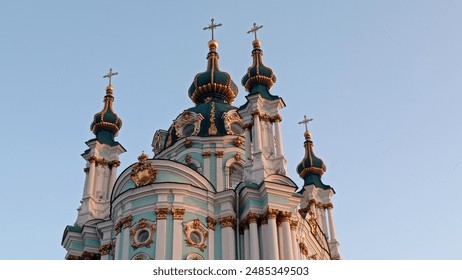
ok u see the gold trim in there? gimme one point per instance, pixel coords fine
(252, 218)
(143, 224)
(206, 154)
(211, 223)
(196, 226)
(237, 157)
(303, 248)
(143, 173)
(238, 142)
(213, 128)
(127, 221)
(161, 213)
(104, 249)
(178, 213)
(272, 213)
(228, 221)
(293, 225)
(219, 154)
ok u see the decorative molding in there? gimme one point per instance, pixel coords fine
(92, 159)
(252, 217)
(284, 216)
(219, 154)
(161, 213)
(293, 225)
(237, 157)
(211, 223)
(90, 256)
(228, 221)
(127, 221)
(178, 213)
(142, 225)
(206, 154)
(187, 117)
(303, 248)
(238, 142)
(265, 117)
(143, 173)
(264, 219)
(114, 163)
(212, 128)
(187, 158)
(329, 206)
(194, 229)
(276, 118)
(105, 249)
(272, 213)
(118, 227)
(313, 223)
(232, 117)
(188, 143)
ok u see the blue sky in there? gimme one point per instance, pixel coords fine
(381, 79)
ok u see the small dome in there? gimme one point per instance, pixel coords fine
(311, 166)
(258, 74)
(106, 124)
(213, 82)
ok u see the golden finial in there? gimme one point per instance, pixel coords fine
(212, 26)
(109, 76)
(143, 157)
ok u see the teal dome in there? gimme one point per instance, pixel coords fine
(311, 168)
(213, 82)
(259, 78)
(106, 124)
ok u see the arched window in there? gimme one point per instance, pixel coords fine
(236, 173)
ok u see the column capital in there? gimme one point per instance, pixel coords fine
(219, 154)
(178, 213)
(228, 221)
(92, 159)
(114, 163)
(272, 213)
(276, 118)
(264, 219)
(104, 249)
(284, 216)
(161, 213)
(127, 221)
(293, 225)
(252, 217)
(211, 223)
(329, 205)
(206, 154)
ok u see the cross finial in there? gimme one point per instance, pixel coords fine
(254, 29)
(305, 122)
(109, 75)
(212, 26)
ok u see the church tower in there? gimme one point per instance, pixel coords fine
(216, 187)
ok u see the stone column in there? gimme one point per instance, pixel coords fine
(277, 129)
(332, 234)
(245, 229)
(273, 247)
(295, 247)
(161, 237)
(252, 219)
(219, 168)
(116, 250)
(211, 230)
(263, 237)
(257, 132)
(287, 235)
(206, 156)
(280, 238)
(126, 225)
(248, 152)
(113, 165)
(177, 213)
(228, 225)
(91, 177)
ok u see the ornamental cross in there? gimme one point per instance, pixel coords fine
(305, 122)
(212, 26)
(109, 75)
(254, 29)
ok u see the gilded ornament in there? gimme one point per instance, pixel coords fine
(211, 223)
(252, 217)
(293, 225)
(104, 249)
(276, 118)
(272, 213)
(143, 173)
(264, 219)
(127, 221)
(206, 154)
(187, 143)
(92, 159)
(237, 157)
(228, 221)
(142, 225)
(303, 248)
(187, 158)
(178, 213)
(329, 205)
(118, 227)
(196, 234)
(219, 154)
(265, 118)
(90, 256)
(114, 163)
(161, 213)
(213, 128)
(232, 118)
(238, 142)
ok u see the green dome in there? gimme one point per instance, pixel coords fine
(259, 78)
(311, 168)
(106, 124)
(212, 82)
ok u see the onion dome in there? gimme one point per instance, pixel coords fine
(213, 82)
(106, 124)
(311, 168)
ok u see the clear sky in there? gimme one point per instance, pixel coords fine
(381, 79)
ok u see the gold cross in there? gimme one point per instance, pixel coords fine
(305, 122)
(255, 29)
(212, 26)
(109, 75)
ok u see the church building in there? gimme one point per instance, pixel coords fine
(216, 186)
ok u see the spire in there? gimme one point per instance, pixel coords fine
(106, 124)
(259, 78)
(213, 82)
(311, 168)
